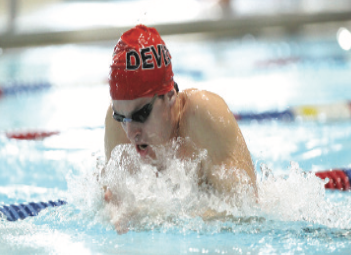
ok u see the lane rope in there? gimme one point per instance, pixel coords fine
(21, 211)
(31, 135)
(18, 87)
(338, 111)
(338, 178)
(40, 134)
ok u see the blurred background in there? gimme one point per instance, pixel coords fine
(260, 56)
(41, 22)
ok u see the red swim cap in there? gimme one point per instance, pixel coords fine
(141, 65)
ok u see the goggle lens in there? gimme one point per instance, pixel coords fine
(139, 116)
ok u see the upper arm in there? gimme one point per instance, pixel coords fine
(212, 126)
(114, 134)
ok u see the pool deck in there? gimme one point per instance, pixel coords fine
(230, 23)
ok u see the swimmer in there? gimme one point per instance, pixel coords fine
(148, 110)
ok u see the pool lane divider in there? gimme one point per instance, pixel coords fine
(339, 111)
(31, 135)
(339, 179)
(14, 88)
(21, 211)
(40, 134)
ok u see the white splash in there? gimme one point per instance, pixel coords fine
(165, 192)
(299, 196)
(166, 195)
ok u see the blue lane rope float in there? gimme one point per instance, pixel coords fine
(18, 87)
(338, 111)
(21, 211)
(286, 115)
(339, 179)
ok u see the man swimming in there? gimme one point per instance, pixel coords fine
(147, 110)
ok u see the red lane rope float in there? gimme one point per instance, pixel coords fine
(338, 179)
(31, 135)
(37, 135)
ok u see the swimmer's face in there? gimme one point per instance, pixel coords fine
(157, 126)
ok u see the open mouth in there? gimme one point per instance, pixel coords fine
(142, 147)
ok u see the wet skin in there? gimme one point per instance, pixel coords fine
(202, 116)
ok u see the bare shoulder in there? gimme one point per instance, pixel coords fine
(114, 133)
(206, 108)
(198, 96)
(209, 123)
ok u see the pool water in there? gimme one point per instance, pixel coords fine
(296, 215)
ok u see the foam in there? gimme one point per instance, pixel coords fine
(171, 199)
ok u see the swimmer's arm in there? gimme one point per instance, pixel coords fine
(114, 134)
(212, 126)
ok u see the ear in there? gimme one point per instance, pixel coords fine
(171, 97)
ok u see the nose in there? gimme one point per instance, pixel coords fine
(133, 131)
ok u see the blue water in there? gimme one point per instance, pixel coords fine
(296, 217)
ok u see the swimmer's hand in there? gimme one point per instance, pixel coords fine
(107, 195)
(121, 226)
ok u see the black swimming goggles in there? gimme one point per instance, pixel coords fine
(138, 116)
